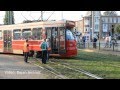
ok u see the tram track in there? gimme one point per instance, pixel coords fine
(51, 70)
(78, 70)
(68, 66)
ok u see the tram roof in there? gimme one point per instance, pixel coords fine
(34, 24)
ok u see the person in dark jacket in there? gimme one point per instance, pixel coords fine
(83, 39)
(44, 51)
(94, 42)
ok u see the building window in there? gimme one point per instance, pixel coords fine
(118, 19)
(114, 19)
(86, 25)
(96, 19)
(106, 20)
(103, 19)
(104, 26)
(110, 20)
(96, 26)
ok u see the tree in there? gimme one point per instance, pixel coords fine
(9, 17)
(110, 13)
(117, 28)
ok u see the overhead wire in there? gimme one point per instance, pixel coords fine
(31, 16)
(50, 15)
(23, 16)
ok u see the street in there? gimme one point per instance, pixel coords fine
(13, 67)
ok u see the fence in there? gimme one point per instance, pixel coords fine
(99, 46)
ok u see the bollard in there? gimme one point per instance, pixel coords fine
(113, 46)
(99, 45)
(88, 44)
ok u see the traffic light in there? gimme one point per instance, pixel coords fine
(109, 33)
(112, 29)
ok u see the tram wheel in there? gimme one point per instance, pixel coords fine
(31, 53)
(38, 54)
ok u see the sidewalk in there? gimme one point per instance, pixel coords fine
(102, 51)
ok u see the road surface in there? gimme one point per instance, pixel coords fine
(13, 67)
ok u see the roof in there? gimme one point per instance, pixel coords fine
(88, 13)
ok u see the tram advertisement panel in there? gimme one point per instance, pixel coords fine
(7, 41)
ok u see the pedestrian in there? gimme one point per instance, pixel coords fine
(94, 42)
(110, 43)
(106, 41)
(48, 46)
(26, 50)
(83, 40)
(44, 51)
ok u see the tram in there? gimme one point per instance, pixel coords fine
(61, 40)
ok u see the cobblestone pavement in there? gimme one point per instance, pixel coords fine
(13, 67)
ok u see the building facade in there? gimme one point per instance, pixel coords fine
(102, 25)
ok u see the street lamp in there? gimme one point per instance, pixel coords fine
(91, 34)
(92, 24)
(99, 30)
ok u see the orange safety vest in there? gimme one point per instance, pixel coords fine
(26, 47)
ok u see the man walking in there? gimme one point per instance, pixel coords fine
(26, 50)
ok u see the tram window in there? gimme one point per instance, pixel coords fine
(17, 34)
(48, 31)
(61, 30)
(26, 34)
(69, 35)
(36, 33)
(54, 31)
(0, 34)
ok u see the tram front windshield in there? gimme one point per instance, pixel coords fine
(69, 35)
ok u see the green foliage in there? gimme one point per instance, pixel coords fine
(117, 28)
(9, 17)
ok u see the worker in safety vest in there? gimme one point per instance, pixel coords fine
(26, 50)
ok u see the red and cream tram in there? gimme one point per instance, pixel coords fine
(61, 40)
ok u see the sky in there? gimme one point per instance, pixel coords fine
(20, 16)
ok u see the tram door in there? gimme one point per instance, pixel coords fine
(54, 40)
(7, 41)
(58, 40)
